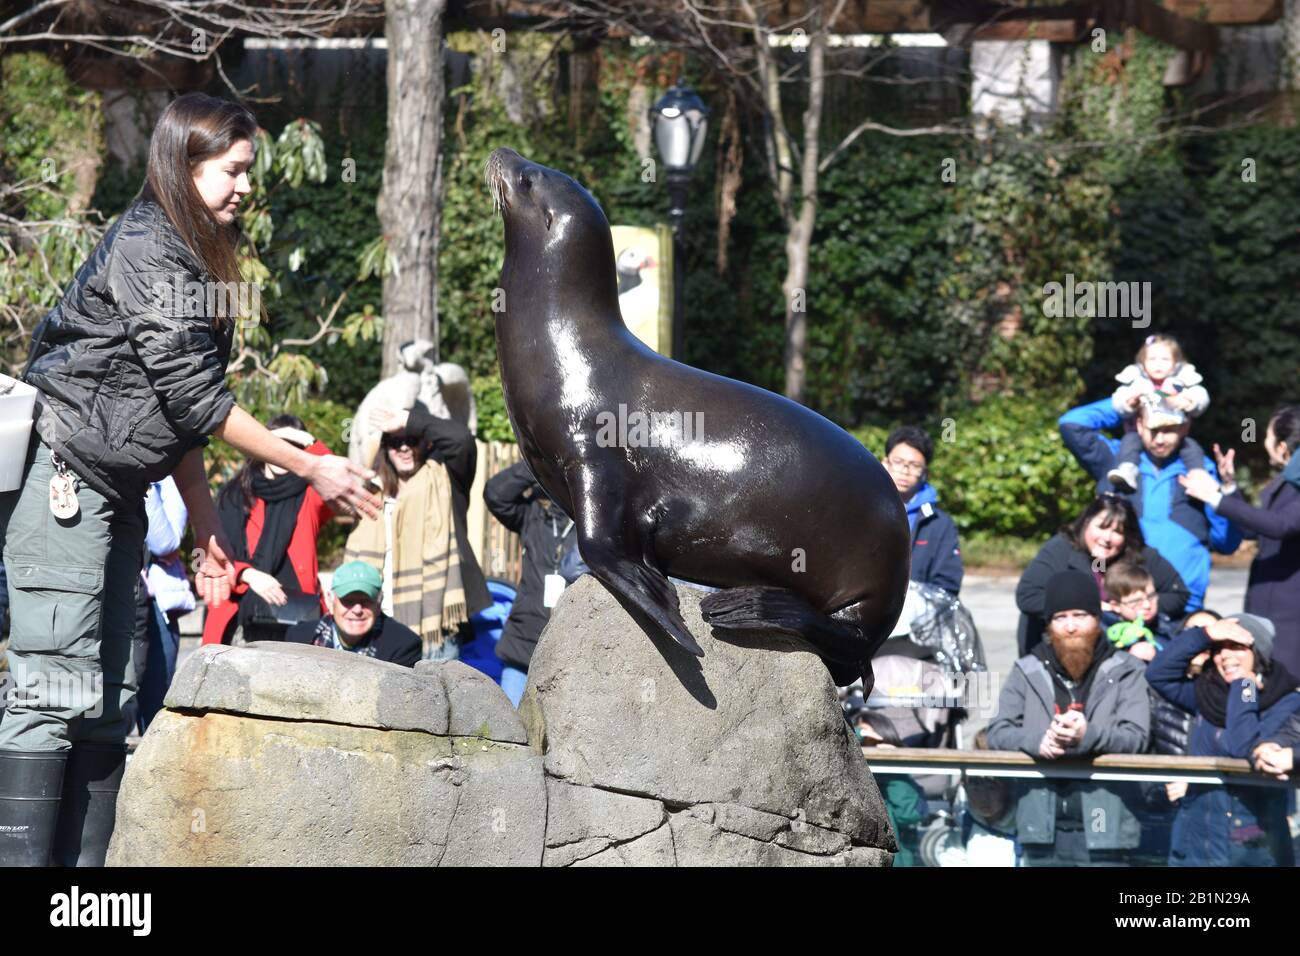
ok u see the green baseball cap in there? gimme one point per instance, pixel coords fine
(357, 576)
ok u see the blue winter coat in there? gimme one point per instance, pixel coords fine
(1225, 824)
(1182, 529)
(936, 554)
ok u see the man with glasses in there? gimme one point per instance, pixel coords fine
(936, 554)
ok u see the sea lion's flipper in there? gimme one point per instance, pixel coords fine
(602, 534)
(650, 592)
(783, 611)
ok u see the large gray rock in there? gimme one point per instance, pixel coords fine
(301, 682)
(583, 821)
(280, 754)
(746, 748)
(477, 706)
(629, 753)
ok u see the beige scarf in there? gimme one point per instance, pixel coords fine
(428, 593)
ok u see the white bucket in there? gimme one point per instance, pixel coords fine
(17, 401)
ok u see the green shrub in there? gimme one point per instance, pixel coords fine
(51, 134)
(493, 420)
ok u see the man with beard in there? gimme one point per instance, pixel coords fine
(1076, 694)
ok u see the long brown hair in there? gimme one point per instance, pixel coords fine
(386, 474)
(193, 128)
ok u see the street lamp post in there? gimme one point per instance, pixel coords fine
(681, 121)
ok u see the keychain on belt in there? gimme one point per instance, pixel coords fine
(63, 490)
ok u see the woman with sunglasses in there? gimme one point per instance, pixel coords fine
(273, 519)
(1242, 698)
(1106, 533)
(420, 544)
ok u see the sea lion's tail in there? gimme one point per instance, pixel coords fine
(842, 644)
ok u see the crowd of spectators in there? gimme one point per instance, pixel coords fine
(1118, 654)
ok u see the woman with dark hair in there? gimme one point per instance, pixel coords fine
(273, 519)
(1274, 588)
(1242, 698)
(129, 367)
(1106, 533)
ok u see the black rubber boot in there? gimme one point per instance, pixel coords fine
(89, 809)
(30, 785)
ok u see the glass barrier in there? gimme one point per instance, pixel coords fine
(992, 808)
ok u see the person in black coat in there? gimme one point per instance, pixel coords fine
(1106, 533)
(547, 533)
(355, 622)
(1243, 698)
(1274, 588)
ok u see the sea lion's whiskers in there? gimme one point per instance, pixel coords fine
(492, 177)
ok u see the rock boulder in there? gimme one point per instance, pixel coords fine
(653, 755)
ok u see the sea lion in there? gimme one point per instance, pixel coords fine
(714, 481)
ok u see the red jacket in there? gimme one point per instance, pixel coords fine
(302, 555)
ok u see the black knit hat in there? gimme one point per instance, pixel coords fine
(1071, 591)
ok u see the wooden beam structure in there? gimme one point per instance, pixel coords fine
(1186, 24)
(1189, 25)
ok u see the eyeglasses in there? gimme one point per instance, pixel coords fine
(401, 441)
(906, 467)
(1148, 598)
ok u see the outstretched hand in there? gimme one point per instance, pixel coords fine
(214, 577)
(1199, 484)
(338, 482)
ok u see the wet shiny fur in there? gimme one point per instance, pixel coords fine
(766, 496)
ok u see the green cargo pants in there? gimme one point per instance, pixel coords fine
(72, 587)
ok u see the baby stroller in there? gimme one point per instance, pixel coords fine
(922, 672)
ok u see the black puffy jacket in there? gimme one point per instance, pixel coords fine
(128, 381)
(1171, 728)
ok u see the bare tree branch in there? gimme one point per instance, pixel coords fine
(190, 30)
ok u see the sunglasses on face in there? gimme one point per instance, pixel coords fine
(1231, 646)
(401, 441)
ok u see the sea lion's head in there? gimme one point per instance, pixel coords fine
(550, 218)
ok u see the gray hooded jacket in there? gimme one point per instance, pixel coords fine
(1118, 712)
